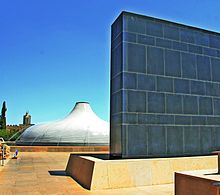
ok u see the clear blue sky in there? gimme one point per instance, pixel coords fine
(55, 53)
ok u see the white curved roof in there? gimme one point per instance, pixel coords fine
(81, 127)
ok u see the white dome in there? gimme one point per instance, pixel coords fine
(81, 127)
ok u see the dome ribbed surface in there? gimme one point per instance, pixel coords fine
(81, 127)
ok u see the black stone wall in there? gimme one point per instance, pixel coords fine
(165, 88)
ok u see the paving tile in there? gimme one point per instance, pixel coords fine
(6, 191)
(29, 174)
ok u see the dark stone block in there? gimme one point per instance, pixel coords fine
(213, 120)
(188, 65)
(129, 37)
(124, 138)
(197, 87)
(201, 38)
(136, 101)
(115, 138)
(163, 43)
(116, 83)
(190, 105)
(218, 53)
(117, 41)
(198, 120)
(154, 28)
(156, 102)
(175, 140)
(195, 49)
(146, 40)
(216, 102)
(174, 104)
(171, 32)
(134, 24)
(116, 101)
(147, 119)
(179, 46)
(206, 139)
(124, 95)
(116, 28)
(215, 69)
(165, 119)
(187, 35)
(146, 82)
(209, 52)
(164, 84)
(203, 67)
(212, 89)
(155, 61)
(214, 41)
(116, 119)
(129, 118)
(129, 80)
(136, 57)
(156, 140)
(216, 138)
(182, 120)
(192, 140)
(137, 140)
(181, 86)
(116, 60)
(155, 119)
(172, 63)
(205, 106)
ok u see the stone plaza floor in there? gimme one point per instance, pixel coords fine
(43, 173)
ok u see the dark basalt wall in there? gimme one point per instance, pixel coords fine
(165, 88)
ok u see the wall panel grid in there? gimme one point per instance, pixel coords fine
(165, 88)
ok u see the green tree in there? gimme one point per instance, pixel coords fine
(3, 116)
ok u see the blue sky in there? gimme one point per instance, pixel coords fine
(55, 53)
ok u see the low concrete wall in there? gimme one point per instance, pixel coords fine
(81, 169)
(195, 184)
(75, 149)
(109, 174)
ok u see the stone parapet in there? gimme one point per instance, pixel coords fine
(96, 174)
(79, 149)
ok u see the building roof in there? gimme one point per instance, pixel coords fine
(81, 127)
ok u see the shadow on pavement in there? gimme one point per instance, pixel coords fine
(58, 173)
